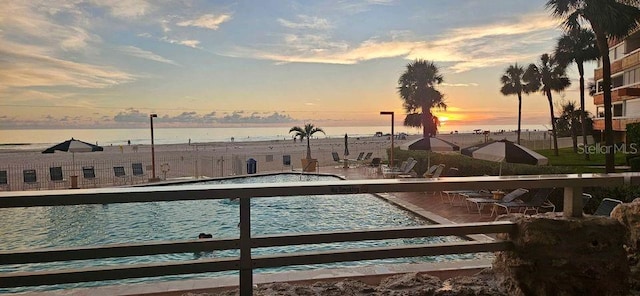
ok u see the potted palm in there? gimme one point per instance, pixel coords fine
(308, 164)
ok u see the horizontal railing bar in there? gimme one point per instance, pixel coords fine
(155, 248)
(385, 233)
(220, 191)
(115, 250)
(279, 260)
(28, 279)
(23, 279)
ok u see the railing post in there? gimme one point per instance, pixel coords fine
(246, 272)
(572, 202)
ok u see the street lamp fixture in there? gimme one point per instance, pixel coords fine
(153, 152)
(392, 135)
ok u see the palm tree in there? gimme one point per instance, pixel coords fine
(417, 90)
(548, 76)
(609, 19)
(579, 46)
(568, 122)
(306, 132)
(512, 84)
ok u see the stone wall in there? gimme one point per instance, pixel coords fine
(554, 255)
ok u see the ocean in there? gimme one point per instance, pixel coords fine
(43, 138)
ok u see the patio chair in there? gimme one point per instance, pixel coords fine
(375, 162)
(360, 156)
(539, 200)
(55, 176)
(89, 175)
(606, 207)
(586, 197)
(4, 181)
(30, 179)
(480, 202)
(120, 177)
(436, 172)
(137, 172)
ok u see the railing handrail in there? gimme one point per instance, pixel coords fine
(17, 279)
(289, 239)
(572, 185)
(220, 191)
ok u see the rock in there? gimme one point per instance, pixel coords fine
(564, 256)
(629, 215)
(481, 284)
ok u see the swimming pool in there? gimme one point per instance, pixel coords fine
(87, 225)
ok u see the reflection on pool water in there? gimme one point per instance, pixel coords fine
(87, 225)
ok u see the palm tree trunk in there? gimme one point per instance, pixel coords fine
(574, 134)
(553, 124)
(606, 89)
(308, 148)
(583, 117)
(519, 114)
(425, 123)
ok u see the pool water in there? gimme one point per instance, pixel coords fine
(88, 225)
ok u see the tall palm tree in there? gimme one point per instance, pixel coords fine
(306, 132)
(609, 19)
(512, 84)
(417, 90)
(578, 46)
(547, 76)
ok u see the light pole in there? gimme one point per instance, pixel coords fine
(392, 136)
(153, 152)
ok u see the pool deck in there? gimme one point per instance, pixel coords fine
(428, 205)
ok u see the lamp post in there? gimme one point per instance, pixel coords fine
(392, 136)
(153, 152)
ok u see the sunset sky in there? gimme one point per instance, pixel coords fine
(109, 63)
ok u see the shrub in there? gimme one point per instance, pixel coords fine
(633, 133)
(635, 164)
(626, 193)
(468, 166)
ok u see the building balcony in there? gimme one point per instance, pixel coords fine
(618, 95)
(619, 124)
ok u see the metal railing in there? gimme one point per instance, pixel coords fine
(246, 263)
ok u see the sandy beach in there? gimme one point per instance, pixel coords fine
(197, 160)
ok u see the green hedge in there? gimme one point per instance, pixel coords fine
(633, 133)
(635, 164)
(468, 166)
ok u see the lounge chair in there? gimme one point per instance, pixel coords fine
(375, 162)
(606, 207)
(368, 156)
(509, 197)
(89, 175)
(434, 171)
(360, 156)
(336, 157)
(4, 181)
(406, 170)
(539, 200)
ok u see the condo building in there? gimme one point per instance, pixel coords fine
(625, 86)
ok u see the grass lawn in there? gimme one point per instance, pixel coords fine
(567, 157)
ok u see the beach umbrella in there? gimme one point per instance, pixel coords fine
(433, 144)
(73, 146)
(346, 150)
(505, 151)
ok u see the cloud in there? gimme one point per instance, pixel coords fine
(236, 117)
(306, 22)
(125, 8)
(465, 48)
(143, 54)
(459, 84)
(207, 21)
(188, 43)
(131, 115)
